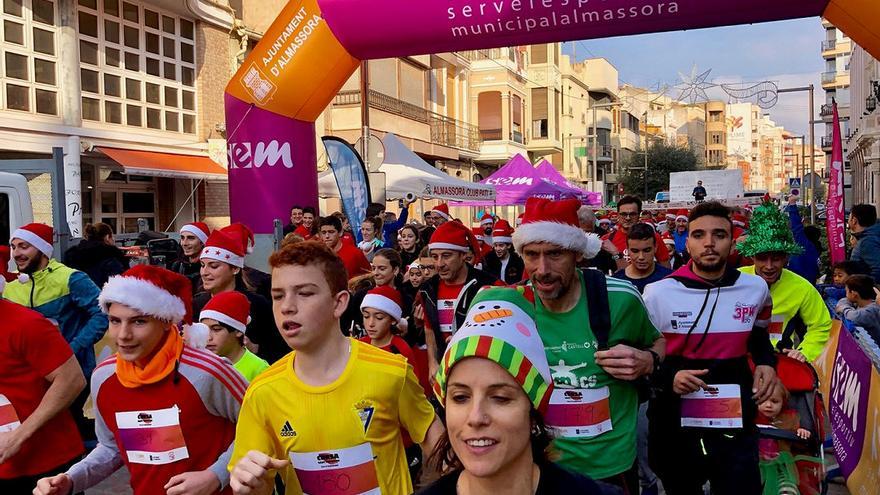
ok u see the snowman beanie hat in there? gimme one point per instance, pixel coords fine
(500, 326)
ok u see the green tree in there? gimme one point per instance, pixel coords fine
(663, 159)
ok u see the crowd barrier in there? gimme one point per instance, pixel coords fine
(849, 381)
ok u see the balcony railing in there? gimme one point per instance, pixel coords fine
(455, 133)
(829, 77)
(490, 54)
(385, 103)
(828, 45)
(826, 141)
(444, 130)
(827, 110)
(602, 151)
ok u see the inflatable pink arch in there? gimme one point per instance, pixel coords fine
(314, 46)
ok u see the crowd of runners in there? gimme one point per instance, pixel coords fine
(567, 351)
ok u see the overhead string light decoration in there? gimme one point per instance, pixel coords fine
(693, 86)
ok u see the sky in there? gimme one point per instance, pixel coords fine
(785, 52)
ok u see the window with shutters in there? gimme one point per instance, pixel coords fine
(383, 76)
(137, 66)
(539, 54)
(412, 84)
(516, 113)
(489, 115)
(29, 43)
(540, 127)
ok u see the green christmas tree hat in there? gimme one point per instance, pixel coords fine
(769, 231)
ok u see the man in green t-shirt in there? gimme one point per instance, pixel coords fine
(595, 402)
(226, 316)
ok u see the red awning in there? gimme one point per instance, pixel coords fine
(171, 165)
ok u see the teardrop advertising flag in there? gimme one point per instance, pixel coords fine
(351, 178)
(834, 209)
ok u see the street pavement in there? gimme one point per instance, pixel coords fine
(114, 485)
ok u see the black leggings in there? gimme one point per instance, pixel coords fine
(730, 461)
(627, 480)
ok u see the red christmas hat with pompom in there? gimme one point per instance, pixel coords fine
(151, 290)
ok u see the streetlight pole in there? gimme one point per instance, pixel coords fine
(365, 110)
(809, 89)
(800, 159)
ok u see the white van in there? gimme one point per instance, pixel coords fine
(15, 206)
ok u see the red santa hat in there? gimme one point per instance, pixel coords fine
(604, 221)
(38, 235)
(555, 222)
(244, 232)
(682, 214)
(231, 308)
(670, 214)
(519, 219)
(198, 229)
(478, 233)
(151, 290)
(385, 299)
(486, 219)
(454, 236)
(226, 247)
(443, 210)
(739, 220)
(502, 232)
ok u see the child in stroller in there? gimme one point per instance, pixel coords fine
(791, 431)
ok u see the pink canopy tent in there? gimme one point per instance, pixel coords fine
(549, 172)
(518, 180)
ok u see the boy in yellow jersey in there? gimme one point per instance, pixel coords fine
(328, 416)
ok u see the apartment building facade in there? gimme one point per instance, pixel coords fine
(863, 142)
(836, 50)
(716, 134)
(132, 90)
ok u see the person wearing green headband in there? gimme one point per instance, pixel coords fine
(801, 323)
(495, 384)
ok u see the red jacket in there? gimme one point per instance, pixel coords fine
(353, 258)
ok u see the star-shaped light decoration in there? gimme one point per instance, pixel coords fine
(693, 88)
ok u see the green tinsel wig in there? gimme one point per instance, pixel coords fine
(769, 231)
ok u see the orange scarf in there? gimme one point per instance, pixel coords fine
(161, 365)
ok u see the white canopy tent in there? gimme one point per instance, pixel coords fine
(406, 172)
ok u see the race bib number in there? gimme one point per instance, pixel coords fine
(8, 417)
(720, 407)
(152, 437)
(775, 329)
(348, 471)
(579, 412)
(446, 316)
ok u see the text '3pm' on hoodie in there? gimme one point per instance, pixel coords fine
(714, 326)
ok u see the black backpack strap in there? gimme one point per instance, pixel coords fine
(795, 328)
(597, 305)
